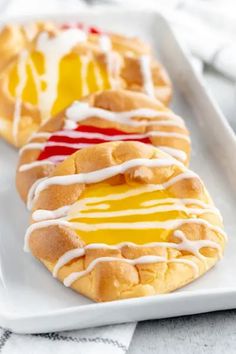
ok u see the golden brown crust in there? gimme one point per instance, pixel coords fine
(12, 41)
(123, 70)
(15, 38)
(117, 280)
(127, 46)
(112, 100)
(132, 75)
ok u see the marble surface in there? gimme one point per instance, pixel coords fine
(211, 333)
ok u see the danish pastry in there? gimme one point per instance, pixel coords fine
(124, 219)
(15, 38)
(62, 65)
(106, 116)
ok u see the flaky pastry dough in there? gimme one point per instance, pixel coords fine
(171, 133)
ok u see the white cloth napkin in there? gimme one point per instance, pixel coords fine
(105, 340)
(207, 41)
(208, 28)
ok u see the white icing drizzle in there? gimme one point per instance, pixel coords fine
(184, 201)
(35, 77)
(84, 71)
(39, 135)
(40, 225)
(54, 49)
(29, 166)
(193, 247)
(57, 158)
(81, 110)
(145, 67)
(142, 225)
(177, 153)
(165, 225)
(70, 279)
(67, 257)
(98, 78)
(41, 146)
(31, 192)
(40, 215)
(29, 30)
(22, 77)
(150, 210)
(83, 204)
(105, 43)
(114, 68)
(105, 173)
(155, 187)
(111, 59)
(184, 175)
(32, 146)
(77, 134)
(69, 124)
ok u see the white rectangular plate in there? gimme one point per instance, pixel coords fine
(32, 301)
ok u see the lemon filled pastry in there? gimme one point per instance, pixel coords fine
(124, 219)
(101, 117)
(16, 37)
(62, 64)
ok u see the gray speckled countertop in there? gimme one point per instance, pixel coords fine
(211, 333)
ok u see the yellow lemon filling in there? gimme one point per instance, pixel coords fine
(108, 214)
(77, 76)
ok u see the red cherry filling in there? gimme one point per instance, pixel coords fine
(90, 135)
(89, 29)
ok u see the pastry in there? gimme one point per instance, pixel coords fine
(101, 117)
(62, 65)
(124, 219)
(137, 62)
(17, 37)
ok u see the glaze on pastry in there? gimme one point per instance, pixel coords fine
(138, 71)
(106, 116)
(62, 65)
(124, 219)
(17, 37)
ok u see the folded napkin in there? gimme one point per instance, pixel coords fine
(105, 340)
(213, 46)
